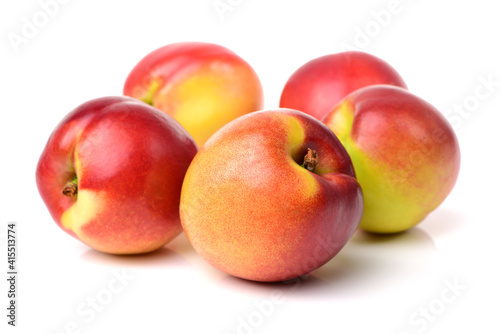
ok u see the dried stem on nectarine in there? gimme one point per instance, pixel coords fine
(310, 160)
(70, 189)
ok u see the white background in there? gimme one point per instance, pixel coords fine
(445, 51)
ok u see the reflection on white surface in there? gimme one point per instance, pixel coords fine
(161, 258)
(368, 263)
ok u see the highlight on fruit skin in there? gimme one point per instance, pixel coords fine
(202, 85)
(111, 175)
(405, 153)
(271, 196)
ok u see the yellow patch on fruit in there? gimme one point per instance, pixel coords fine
(85, 208)
(308, 184)
(340, 122)
(77, 164)
(388, 208)
(295, 133)
(296, 137)
(204, 102)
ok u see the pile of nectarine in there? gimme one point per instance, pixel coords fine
(263, 195)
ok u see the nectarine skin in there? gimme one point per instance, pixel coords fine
(202, 85)
(405, 153)
(251, 210)
(317, 86)
(127, 162)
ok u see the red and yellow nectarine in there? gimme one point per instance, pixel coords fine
(111, 175)
(404, 151)
(202, 85)
(270, 196)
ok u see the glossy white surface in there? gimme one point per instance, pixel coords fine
(440, 277)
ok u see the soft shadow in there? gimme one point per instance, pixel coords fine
(443, 222)
(369, 262)
(414, 237)
(373, 261)
(181, 245)
(307, 285)
(163, 257)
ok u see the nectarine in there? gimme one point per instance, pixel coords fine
(111, 175)
(270, 196)
(404, 151)
(317, 86)
(202, 85)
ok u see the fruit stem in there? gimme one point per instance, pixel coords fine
(70, 189)
(311, 159)
(150, 93)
